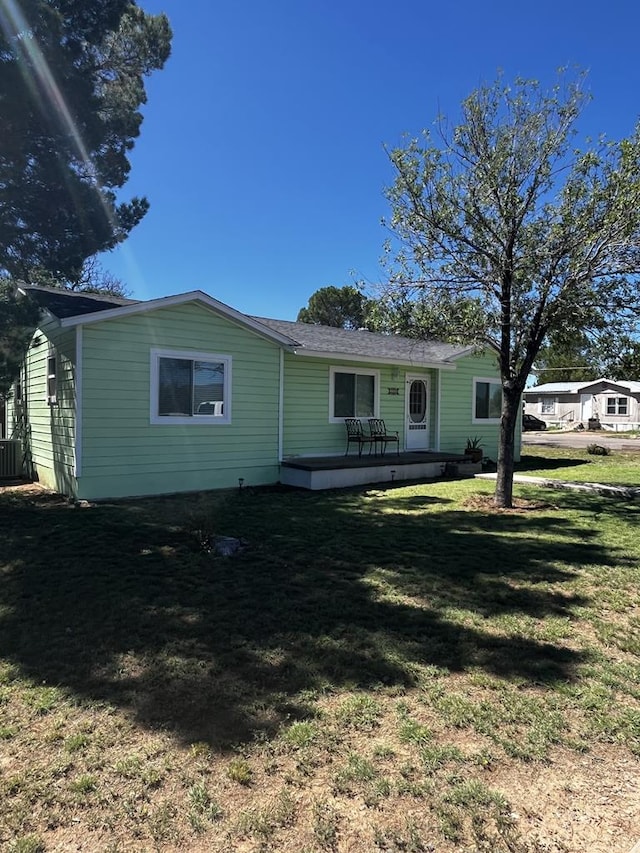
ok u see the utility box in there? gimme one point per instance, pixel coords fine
(10, 459)
(593, 423)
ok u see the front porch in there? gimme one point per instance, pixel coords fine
(338, 472)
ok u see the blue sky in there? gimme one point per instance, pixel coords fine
(262, 147)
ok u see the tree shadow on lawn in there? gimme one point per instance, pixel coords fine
(547, 463)
(334, 591)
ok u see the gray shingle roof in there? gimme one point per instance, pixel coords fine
(576, 387)
(356, 342)
(349, 343)
(69, 303)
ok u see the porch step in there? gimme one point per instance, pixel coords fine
(463, 469)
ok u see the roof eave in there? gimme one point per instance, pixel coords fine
(370, 359)
(46, 317)
(579, 389)
(608, 382)
(181, 299)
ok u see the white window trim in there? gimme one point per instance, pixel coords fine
(494, 381)
(18, 389)
(551, 400)
(357, 371)
(616, 404)
(51, 399)
(194, 420)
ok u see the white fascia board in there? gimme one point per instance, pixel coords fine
(369, 359)
(180, 299)
(541, 390)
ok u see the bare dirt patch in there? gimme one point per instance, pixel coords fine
(486, 503)
(575, 803)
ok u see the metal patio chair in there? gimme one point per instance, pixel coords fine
(380, 435)
(356, 435)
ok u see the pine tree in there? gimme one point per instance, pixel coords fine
(71, 86)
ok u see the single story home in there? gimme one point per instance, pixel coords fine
(613, 405)
(120, 398)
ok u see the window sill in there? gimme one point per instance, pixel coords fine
(196, 420)
(363, 418)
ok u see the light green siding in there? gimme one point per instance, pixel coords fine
(307, 427)
(456, 400)
(47, 430)
(99, 439)
(124, 454)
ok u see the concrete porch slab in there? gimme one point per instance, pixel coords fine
(339, 472)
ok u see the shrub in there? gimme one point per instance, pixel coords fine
(239, 771)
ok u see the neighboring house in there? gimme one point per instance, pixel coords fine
(612, 405)
(121, 398)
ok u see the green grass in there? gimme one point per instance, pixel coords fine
(620, 468)
(359, 675)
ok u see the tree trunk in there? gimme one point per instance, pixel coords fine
(506, 449)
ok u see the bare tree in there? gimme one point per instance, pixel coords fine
(505, 212)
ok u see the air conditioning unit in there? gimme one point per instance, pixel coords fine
(10, 459)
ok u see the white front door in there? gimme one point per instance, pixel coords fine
(586, 406)
(417, 413)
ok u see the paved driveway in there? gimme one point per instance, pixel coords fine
(581, 439)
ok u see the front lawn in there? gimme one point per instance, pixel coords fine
(621, 468)
(390, 669)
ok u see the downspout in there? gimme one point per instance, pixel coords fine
(77, 449)
(281, 408)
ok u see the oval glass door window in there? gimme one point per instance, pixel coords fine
(417, 402)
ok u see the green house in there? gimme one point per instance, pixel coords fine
(120, 398)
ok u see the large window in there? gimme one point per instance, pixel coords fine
(189, 388)
(354, 393)
(617, 406)
(547, 406)
(487, 400)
